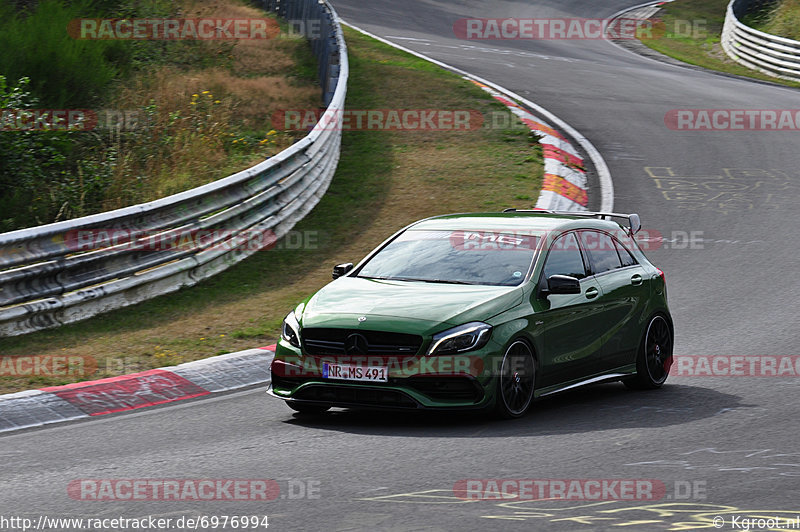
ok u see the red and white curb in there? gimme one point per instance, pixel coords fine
(564, 185)
(55, 404)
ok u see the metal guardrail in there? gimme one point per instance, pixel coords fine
(770, 54)
(47, 278)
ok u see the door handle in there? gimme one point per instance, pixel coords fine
(591, 292)
(636, 280)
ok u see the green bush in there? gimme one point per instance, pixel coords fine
(47, 176)
(27, 158)
(64, 72)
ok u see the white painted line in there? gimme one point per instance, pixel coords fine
(407, 38)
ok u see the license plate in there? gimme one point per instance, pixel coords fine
(355, 373)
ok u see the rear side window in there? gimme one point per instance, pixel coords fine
(624, 255)
(602, 249)
(565, 258)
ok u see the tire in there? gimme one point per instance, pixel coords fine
(307, 409)
(516, 381)
(655, 356)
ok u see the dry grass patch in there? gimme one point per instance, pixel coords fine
(211, 117)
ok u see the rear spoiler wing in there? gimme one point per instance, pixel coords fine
(634, 222)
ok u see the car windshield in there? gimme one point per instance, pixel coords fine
(458, 257)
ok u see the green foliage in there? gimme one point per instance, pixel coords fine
(45, 175)
(64, 72)
(26, 158)
(778, 18)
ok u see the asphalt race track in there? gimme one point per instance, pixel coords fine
(720, 446)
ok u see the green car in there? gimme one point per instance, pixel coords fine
(483, 311)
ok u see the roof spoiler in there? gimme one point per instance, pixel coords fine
(634, 222)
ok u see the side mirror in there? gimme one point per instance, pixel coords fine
(342, 269)
(563, 284)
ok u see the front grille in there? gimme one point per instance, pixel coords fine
(333, 394)
(320, 341)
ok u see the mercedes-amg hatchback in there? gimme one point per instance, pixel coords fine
(480, 311)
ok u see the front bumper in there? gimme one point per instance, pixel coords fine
(413, 394)
(417, 383)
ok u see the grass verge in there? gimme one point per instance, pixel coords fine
(385, 179)
(781, 19)
(693, 31)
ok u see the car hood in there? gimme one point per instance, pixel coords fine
(409, 304)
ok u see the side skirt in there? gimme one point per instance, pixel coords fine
(615, 376)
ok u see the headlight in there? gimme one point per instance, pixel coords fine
(291, 330)
(465, 337)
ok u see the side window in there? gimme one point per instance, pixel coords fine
(624, 255)
(565, 258)
(602, 249)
